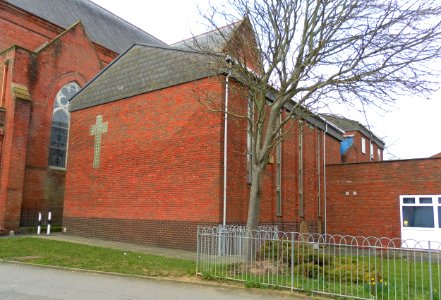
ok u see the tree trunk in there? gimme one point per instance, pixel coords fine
(250, 247)
(254, 202)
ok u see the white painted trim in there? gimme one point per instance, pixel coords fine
(421, 234)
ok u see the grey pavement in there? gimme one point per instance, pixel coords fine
(120, 246)
(23, 282)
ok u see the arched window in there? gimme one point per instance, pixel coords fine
(60, 125)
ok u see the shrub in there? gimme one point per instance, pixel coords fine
(302, 252)
(314, 264)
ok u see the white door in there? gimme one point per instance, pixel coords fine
(421, 221)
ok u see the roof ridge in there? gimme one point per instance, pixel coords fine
(172, 48)
(338, 116)
(208, 32)
(356, 123)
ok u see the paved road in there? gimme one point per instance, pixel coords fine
(21, 282)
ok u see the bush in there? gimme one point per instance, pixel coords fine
(314, 263)
(301, 253)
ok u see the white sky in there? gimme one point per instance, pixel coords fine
(411, 129)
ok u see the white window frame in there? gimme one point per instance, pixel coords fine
(371, 150)
(417, 237)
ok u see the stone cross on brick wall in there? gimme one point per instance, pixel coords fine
(97, 130)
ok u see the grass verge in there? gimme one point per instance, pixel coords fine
(71, 255)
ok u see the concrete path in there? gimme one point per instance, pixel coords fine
(22, 282)
(120, 246)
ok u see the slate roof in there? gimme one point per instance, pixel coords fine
(142, 69)
(212, 41)
(352, 125)
(101, 26)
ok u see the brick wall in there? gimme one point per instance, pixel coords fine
(160, 160)
(313, 189)
(332, 150)
(173, 234)
(22, 29)
(71, 57)
(187, 139)
(18, 27)
(363, 198)
(162, 163)
(13, 172)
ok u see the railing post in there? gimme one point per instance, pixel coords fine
(430, 273)
(240, 232)
(213, 243)
(292, 261)
(197, 250)
(219, 244)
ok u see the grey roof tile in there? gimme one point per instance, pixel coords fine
(212, 41)
(101, 26)
(142, 69)
(352, 125)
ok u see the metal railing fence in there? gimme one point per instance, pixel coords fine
(345, 266)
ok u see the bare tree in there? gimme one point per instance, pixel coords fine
(310, 53)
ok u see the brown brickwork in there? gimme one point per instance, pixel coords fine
(20, 28)
(158, 233)
(162, 160)
(160, 172)
(12, 175)
(41, 58)
(363, 198)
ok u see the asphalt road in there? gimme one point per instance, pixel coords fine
(22, 282)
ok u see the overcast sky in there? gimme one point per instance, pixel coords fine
(410, 129)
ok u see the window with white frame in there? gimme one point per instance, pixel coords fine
(420, 211)
(363, 145)
(60, 125)
(379, 154)
(371, 150)
(439, 212)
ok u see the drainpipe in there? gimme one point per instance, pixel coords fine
(2, 107)
(3, 90)
(324, 176)
(227, 86)
(370, 153)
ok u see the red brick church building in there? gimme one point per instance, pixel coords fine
(136, 157)
(49, 49)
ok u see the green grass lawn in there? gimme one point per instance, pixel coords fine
(64, 254)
